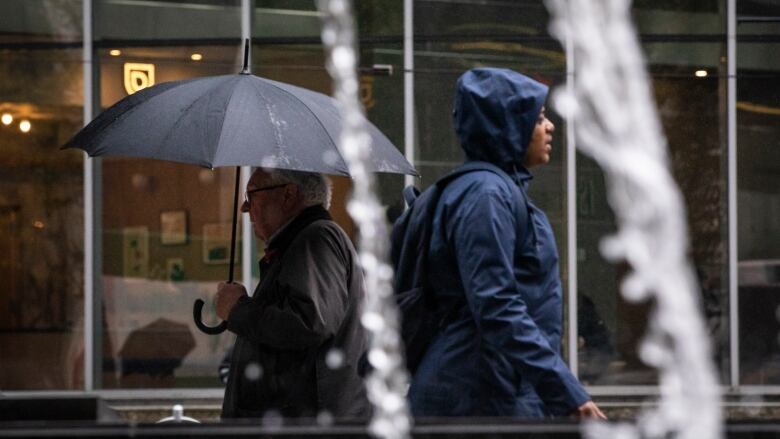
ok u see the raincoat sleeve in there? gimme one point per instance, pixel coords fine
(312, 295)
(484, 233)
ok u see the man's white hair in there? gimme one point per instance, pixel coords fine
(315, 188)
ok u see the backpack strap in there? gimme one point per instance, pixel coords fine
(440, 184)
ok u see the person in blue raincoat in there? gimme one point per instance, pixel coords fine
(493, 262)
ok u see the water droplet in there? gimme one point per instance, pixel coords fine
(272, 419)
(331, 158)
(378, 358)
(268, 162)
(392, 403)
(565, 103)
(253, 372)
(328, 36)
(324, 418)
(343, 57)
(335, 358)
(385, 272)
(372, 321)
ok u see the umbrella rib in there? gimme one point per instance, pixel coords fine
(111, 124)
(183, 113)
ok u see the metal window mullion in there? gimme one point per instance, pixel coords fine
(409, 134)
(89, 291)
(246, 226)
(731, 113)
(571, 217)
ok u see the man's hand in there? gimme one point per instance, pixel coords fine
(227, 296)
(589, 410)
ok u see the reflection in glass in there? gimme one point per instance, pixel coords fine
(165, 226)
(41, 198)
(690, 109)
(758, 210)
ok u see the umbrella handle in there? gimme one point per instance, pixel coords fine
(197, 310)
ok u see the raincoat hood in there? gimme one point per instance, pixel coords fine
(495, 113)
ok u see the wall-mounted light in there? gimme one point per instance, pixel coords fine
(25, 126)
(6, 119)
(38, 224)
(114, 52)
(138, 76)
(701, 73)
(206, 176)
(196, 57)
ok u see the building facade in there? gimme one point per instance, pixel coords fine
(102, 258)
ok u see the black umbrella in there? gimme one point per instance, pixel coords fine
(231, 120)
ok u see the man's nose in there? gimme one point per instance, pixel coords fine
(244, 206)
(551, 126)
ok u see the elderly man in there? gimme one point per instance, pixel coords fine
(299, 334)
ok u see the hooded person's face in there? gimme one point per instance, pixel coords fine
(540, 147)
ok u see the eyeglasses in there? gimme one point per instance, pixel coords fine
(267, 188)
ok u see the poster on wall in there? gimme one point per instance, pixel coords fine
(216, 243)
(135, 251)
(174, 268)
(173, 227)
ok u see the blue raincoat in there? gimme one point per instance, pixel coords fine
(493, 261)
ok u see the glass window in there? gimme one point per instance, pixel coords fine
(165, 226)
(688, 78)
(758, 192)
(41, 196)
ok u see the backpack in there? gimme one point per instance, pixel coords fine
(421, 317)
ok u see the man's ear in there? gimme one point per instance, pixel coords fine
(291, 195)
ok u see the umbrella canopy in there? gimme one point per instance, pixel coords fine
(232, 120)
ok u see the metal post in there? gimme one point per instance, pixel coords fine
(731, 109)
(571, 216)
(409, 132)
(89, 318)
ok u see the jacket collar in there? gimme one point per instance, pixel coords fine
(279, 243)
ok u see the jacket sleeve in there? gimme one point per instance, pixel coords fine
(312, 289)
(483, 231)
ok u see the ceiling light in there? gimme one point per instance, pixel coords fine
(196, 56)
(6, 119)
(114, 52)
(25, 126)
(701, 73)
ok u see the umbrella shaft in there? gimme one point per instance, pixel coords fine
(235, 221)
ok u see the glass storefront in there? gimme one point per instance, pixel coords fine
(41, 196)
(685, 49)
(165, 227)
(160, 228)
(758, 196)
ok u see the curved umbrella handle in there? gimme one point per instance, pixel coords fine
(211, 330)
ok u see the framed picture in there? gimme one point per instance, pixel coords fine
(174, 269)
(216, 243)
(135, 251)
(173, 227)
